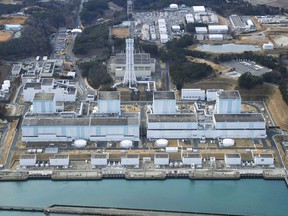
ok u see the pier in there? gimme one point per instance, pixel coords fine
(90, 210)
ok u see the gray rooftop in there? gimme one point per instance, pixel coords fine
(229, 95)
(266, 155)
(192, 155)
(109, 95)
(172, 118)
(59, 156)
(84, 121)
(139, 58)
(162, 155)
(164, 95)
(99, 156)
(233, 155)
(241, 117)
(47, 81)
(35, 85)
(44, 96)
(131, 156)
(27, 156)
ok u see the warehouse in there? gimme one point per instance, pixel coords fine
(130, 160)
(198, 9)
(189, 18)
(211, 94)
(228, 102)
(164, 102)
(232, 159)
(192, 94)
(63, 90)
(237, 23)
(27, 160)
(264, 159)
(201, 30)
(218, 29)
(59, 160)
(144, 66)
(99, 159)
(215, 37)
(192, 158)
(161, 159)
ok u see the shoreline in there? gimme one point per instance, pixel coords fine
(72, 175)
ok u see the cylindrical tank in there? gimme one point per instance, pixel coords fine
(228, 142)
(161, 142)
(173, 6)
(80, 143)
(126, 144)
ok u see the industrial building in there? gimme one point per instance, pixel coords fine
(99, 159)
(189, 18)
(201, 30)
(69, 125)
(161, 159)
(144, 66)
(192, 158)
(218, 29)
(211, 94)
(130, 160)
(198, 9)
(59, 160)
(264, 159)
(228, 102)
(27, 160)
(224, 120)
(44, 103)
(16, 69)
(193, 94)
(164, 102)
(109, 102)
(232, 159)
(268, 46)
(215, 37)
(237, 24)
(62, 89)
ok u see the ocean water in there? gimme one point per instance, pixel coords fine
(246, 196)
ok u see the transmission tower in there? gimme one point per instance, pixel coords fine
(129, 77)
(129, 7)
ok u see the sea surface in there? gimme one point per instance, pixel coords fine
(245, 196)
(227, 48)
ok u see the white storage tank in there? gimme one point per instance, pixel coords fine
(126, 144)
(161, 143)
(80, 143)
(228, 142)
(173, 6)
(7, 82)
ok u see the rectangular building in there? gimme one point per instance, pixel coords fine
(130, 160)
(192, 158)
(218, 29)
(164, 102)
(228, 102)
(44, 103)
(161, 159)
(192, 94)
(232, 159)
(109, 102)
(99, 159)
(264, 159)
(26, 160)
(59, 160)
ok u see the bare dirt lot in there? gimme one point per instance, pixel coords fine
(120, 32)
(5, 36)
(280, 40)
(213, 83)
(13, 20)
(216, 67)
